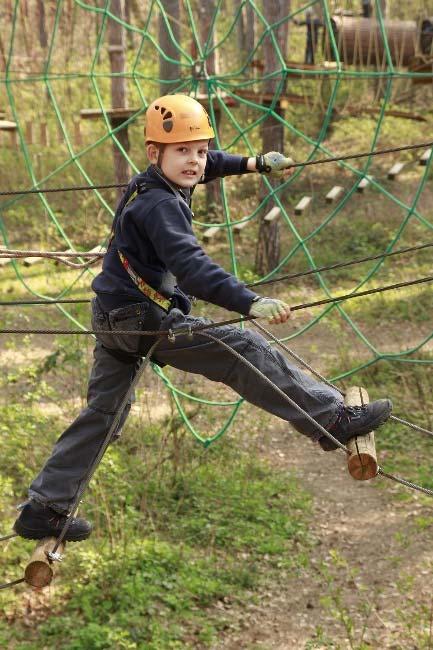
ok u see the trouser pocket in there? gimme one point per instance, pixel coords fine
(132, 319)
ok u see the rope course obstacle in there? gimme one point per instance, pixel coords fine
(246, 84)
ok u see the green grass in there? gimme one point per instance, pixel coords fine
(178, 531)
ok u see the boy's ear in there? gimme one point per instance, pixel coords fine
(152, 152)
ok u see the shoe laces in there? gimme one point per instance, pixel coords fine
(57, 520)
(348, 414)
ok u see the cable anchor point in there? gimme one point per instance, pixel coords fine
(54, 557)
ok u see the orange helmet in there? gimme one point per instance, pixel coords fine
(177, 118)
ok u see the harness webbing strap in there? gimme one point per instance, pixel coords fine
(145, 288)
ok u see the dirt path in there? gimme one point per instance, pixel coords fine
(373, 533)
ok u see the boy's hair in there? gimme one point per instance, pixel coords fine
(159, 145)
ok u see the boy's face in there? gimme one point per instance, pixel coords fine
(183, 163)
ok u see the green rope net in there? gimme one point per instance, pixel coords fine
(232, 58)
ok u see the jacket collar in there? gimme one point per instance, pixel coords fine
(155, 174)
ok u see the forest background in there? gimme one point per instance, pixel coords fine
(259, 540)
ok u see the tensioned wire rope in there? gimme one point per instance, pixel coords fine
(229, 82)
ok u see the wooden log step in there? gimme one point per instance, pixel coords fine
(303, 204)
(4, 260)
(238, 227)
(363, 183)
(395, 170)
(334, 193)
(98, 249)
(362, 461)
(210, 233)
(96, 113)
(30, 261)
(40, 570)
(272, 214)
(425, 157)
(7, 125)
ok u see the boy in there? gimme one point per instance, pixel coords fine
(152, 263)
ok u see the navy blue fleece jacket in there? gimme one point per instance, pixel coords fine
(155, 234)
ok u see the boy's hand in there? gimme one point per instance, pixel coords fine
(274, 163)
(276, 311)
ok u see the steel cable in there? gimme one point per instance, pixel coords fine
(317, 374)
(292, 403)
(315, 303)
(58, 255)
(321, 161)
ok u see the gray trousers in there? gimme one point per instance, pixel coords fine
(111, 376)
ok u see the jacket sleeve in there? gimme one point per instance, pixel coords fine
(220, 164)
(168, 228)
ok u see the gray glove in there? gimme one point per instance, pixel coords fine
(276, 311)
(272, 162)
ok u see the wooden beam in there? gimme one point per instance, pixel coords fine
(97, 249)
(395, 170)
(295, 68)
(362, 461)
(303, 204)
(6, 125)
(282, 101)
(363, 183)
(421, 64)
(272, 214)
(334, 193)
(97, 113)
(4, 260)
(204, 99)
(405, 115)
(238, 227)
(210, 233)
(425, 157)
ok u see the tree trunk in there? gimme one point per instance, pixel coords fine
(240, 27)
(250, 36)
(116, 50)
(43, 40)
(129, 34)
(380, 83)
(383, 7)
(206, 12)
(167, 69)
(268, 242)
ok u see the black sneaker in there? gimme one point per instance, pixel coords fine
(37, 521)
(357, 421)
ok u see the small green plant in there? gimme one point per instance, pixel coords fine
(336, 574)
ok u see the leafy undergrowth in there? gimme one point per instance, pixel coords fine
(179, 535)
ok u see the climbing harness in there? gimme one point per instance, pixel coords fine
(145, 288)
